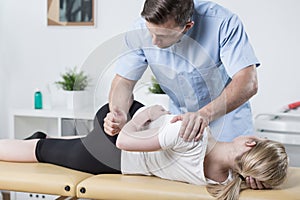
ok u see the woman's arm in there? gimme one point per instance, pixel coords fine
(136, 136)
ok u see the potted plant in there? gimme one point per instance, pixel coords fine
(155, 87)
(157, 95)
(74, 82)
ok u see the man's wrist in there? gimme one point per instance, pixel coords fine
(206, 114)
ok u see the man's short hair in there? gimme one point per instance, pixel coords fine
(160, 11)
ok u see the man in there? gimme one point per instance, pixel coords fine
(200, 54)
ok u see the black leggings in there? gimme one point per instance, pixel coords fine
(95, 153)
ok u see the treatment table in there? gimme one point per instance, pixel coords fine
(71, 184)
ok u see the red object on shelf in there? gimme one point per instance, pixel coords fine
(294, 105)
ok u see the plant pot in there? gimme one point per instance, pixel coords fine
(76, 100)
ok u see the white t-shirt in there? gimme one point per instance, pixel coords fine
(178, 160)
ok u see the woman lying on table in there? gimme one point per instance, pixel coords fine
(151, 146)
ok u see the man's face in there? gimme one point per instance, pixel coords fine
(167, 34)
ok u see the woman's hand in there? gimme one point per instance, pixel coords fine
(255, 184)
(154, 112)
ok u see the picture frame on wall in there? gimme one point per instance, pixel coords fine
(71, 12)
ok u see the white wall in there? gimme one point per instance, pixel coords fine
(33, 55)
(3, 77)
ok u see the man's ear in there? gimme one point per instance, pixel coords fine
(250, 143)
(189, 25)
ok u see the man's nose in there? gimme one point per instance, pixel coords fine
(155, 40)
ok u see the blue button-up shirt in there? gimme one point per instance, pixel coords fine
(195, 70)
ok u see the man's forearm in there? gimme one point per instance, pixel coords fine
(121, 93)
(242, 87)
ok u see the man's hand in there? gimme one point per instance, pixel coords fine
(255, 184)
(193, 125)
(114, 121)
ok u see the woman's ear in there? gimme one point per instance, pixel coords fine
(250, 143)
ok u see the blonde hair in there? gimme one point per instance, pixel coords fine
(266, 162)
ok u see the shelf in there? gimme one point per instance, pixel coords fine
(61, 113)
(56, 123)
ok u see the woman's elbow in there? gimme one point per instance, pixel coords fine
(120, 144)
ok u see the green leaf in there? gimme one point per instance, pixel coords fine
(73, 80)
(155, 87)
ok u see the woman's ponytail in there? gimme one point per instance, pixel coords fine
(231, 191)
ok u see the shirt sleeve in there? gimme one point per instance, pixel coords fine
(236, 51)
(132, 62)
(169, 134)
(169, 138)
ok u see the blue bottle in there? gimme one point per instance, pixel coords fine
(38, 99)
